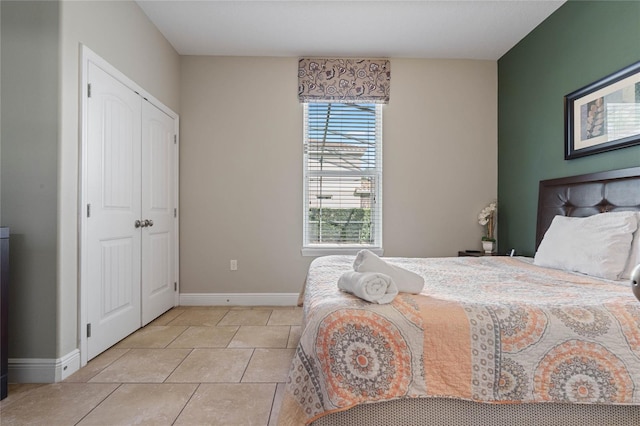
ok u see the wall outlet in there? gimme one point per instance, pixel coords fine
(233, 265)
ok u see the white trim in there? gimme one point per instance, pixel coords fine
(327, 251)
(239, 299)
(176, 198)
(43, 370)
(85, 55)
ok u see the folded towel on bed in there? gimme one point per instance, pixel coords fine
(406, 281)
(370, 286)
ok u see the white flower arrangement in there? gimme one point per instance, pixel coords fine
(487, 218)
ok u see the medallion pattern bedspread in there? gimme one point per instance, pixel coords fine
(489, 329)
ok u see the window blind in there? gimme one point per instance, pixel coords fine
(343, 175)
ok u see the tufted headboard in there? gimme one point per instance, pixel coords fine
(586, 195)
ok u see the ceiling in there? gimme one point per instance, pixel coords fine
(472, 29)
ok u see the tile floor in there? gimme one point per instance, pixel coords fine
(191, 366)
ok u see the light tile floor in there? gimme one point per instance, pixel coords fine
(191, 366)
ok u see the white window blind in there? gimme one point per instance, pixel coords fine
(342, 177)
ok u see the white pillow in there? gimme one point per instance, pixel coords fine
(597, 245)
(634, 254)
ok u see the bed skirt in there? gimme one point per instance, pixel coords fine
(456, 412)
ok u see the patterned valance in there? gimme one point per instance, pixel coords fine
(344, 80)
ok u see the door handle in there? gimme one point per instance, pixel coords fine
(143, 223)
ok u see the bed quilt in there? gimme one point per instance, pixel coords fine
(488, 329)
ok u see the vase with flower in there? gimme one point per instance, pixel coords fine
(486, 218)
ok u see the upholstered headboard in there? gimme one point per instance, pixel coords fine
(586, 195)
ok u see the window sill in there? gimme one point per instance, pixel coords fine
(348, 250)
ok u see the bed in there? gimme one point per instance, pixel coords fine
(489, 341)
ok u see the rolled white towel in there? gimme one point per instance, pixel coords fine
(405, 280)
(370, 286)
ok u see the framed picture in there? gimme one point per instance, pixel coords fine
(604, 115)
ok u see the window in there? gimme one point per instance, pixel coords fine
(342, 178)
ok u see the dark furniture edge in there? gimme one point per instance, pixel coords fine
(4, 315)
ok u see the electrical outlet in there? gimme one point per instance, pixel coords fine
(233, 265)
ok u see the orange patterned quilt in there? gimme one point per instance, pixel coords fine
(489, 329)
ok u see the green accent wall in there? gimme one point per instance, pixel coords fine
(582, 42)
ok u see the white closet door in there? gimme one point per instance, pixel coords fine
(114, 204)
(158, 203)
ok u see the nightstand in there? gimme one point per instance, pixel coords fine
(477, 253)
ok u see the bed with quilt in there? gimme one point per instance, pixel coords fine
(493, 340)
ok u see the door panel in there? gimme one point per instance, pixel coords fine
(113, 197)
(160, 252)
(118, 155)
(117, 285)
(158, 202)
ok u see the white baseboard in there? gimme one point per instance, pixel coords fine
(43, 370)
(238, 299)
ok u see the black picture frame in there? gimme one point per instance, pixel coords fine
(603, 116)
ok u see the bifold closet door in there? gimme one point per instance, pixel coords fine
(158, 214)
(113, 243)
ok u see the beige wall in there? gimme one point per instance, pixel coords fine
(0, 119)
(440, 155)
(241, 167)
(240, 175)
(122, 34)
(29, 167)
